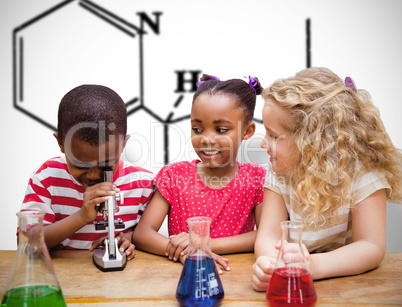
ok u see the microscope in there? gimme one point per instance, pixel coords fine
(108, 257)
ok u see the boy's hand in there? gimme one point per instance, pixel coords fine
(125, 245)
(177, 246)
(94, 195)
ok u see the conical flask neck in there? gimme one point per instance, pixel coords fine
(30, 229)
(199, 236)
(199, 283)
(291, 253)
(292, 232)
(32, 275)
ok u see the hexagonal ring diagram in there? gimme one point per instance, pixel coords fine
(70, 43)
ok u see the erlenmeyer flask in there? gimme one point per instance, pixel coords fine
(199, 284)
(32, 280)
(291, 283)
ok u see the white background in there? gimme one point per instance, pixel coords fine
(230, 39)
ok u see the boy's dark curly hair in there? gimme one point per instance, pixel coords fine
(91, 113)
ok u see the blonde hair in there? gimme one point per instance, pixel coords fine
(338, 135)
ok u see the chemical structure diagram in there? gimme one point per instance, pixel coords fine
(64, 30)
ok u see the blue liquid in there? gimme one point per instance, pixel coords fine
(199, 283)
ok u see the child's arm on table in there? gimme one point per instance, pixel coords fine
(238, 244)
(368, 247)
(177, 249)
(57, 232)
(365, 253)
(178, 244)
(146, 236)
(268, 235)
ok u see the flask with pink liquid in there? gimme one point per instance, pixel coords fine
(291, 283)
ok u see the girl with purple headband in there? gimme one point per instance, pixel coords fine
(215, 185)
(333, 167)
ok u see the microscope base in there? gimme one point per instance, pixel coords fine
(104, 262)
(107, 266)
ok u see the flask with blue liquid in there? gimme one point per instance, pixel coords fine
(199, 283)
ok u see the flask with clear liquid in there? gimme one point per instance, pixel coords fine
(199, 284)
(291, 283)
(32, 280)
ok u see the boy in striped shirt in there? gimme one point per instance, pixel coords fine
(91, 133)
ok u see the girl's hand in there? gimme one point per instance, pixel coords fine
(265, 265)
(177, 246)
(94, 195)
(291, 253)
(221, 262)
(262, 272)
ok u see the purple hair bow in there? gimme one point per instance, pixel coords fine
(350, 83)
(212, 78)
(252, 82)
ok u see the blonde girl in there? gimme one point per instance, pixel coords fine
(333, 168)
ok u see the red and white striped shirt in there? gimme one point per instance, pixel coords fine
(53, 190)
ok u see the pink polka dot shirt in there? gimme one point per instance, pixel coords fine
(230, 208)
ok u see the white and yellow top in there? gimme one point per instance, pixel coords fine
(337, 231)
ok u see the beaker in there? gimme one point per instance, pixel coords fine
(199, 284)
(32, 280)
(291, 283)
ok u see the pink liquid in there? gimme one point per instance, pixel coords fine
(291, 287)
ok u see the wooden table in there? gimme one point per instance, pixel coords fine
(151, 280)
